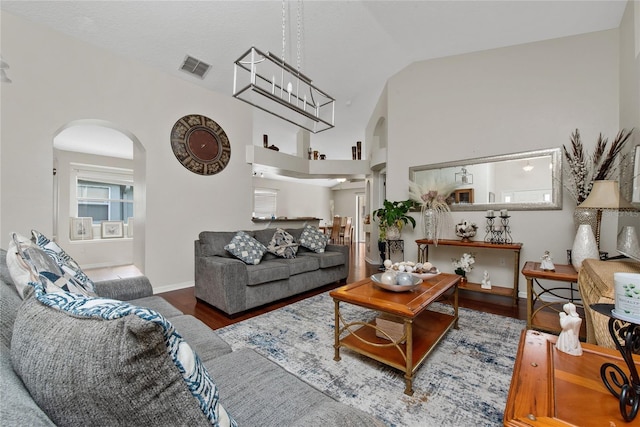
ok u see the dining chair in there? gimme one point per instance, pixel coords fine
(346, 232)
(335, 229)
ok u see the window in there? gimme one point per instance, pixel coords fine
(104, 194)
(264, 202)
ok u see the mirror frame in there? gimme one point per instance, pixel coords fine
(556, 179)
(635, 178)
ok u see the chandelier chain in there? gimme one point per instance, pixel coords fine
(284, 27)
(299, 35)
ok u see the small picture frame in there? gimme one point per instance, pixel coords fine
(81, 228)
(130, 227)
(112, 229)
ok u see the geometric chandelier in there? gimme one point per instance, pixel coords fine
(270, 84)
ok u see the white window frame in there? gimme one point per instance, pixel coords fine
(265, 202)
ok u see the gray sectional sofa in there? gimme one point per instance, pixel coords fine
(229, 284)
(253, 390)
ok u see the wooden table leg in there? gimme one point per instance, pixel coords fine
(408, 375)
(529, 301)
(336, 343)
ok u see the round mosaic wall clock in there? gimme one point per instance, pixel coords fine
(200, 144)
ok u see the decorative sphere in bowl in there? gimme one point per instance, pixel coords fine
(388, 277)
(404, 279)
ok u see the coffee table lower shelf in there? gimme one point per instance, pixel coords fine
(426, 331)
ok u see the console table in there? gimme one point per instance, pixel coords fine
(552, 388)
(423, 256)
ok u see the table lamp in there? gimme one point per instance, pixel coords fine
(628, 244)
(605, 195)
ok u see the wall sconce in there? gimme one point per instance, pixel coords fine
(464, 177)
(528, 167)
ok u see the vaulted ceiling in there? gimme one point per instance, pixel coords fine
(348, 48)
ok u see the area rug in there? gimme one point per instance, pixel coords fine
(463, 382)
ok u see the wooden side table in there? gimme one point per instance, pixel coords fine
(563, 273)
(552, 388)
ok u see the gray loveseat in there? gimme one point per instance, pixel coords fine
(254, 390)
(227, 283)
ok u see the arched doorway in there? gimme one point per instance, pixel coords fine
(99, 185)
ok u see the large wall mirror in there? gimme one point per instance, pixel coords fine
(520, 181)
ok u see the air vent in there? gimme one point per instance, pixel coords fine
(194, 66)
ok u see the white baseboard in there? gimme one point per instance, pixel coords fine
(172, 287)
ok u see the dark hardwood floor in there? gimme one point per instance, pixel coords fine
(184, 299)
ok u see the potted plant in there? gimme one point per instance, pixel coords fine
(392, 217)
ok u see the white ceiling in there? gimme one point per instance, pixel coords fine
(349, 48)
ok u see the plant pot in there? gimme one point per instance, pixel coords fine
(393, 233)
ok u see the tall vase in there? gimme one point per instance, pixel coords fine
(429, 222)
(584, 246)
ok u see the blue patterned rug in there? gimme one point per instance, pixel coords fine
(464, 382)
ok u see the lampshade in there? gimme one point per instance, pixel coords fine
(628, 243)
(606, 195)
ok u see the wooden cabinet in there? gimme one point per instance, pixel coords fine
(507, 291)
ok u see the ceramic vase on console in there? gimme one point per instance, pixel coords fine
(584, 246)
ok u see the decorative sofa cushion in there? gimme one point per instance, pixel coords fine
(282, 244)
(68, 265)
(26, 261)
(97, 361)
(246, 248)
(313, 239)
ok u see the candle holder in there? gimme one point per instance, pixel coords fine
(626, 336)
(498, 233)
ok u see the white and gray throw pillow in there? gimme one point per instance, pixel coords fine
(282, 244)
(246, 248)
(81, 357)
(313, 239)
(68, 265)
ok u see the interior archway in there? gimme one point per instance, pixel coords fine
(101, 149)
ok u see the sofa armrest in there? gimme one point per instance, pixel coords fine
(125, 289)
(221, 282)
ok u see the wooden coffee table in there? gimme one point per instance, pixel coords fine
(552, 388)
(423, 328)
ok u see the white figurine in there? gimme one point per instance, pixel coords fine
(547, 264)
(569, 339)
(486, 282)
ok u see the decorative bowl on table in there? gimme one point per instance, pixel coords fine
(401, 285)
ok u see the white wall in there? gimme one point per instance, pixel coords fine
(57, 80)
(500, 101)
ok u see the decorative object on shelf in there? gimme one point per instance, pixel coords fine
(569, 339)
(272, 85)
(310, 153)
(584, 246)
(628, 244)
(200, 144)
(265, 141)
(323, 156)
(435, 200)
(604, 195)
(547, 262)
(486, 281)
(273, 147)
(466, 230)
(359, 149)
(498, 232)
(316, 153)
(392, 217)
(463, 177)
(81, 228)
(354, 155)
(464, 264)
(112, 229)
